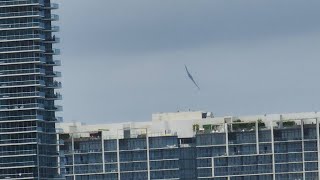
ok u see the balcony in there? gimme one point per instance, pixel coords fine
(54, 108)
(20, 129)
(18, 176)
(53, 52)
(53, 74)
(52, 17)
(22, 83)
(17, 107)
(21, 14)
(36, 25)
(21, 152)
(51, 142)
(22, 95)
(58, 119)
(53, 63)
(22, 49)
(18, 118)
(18, 141)
(22, 72)
(22, 60)
(21, 37)
(18, 164)
(52, 28)
(56, 96)
(52, 6)
(52, 40)
(55, 84)
(21, 3)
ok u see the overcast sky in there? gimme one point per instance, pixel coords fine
(124, 60)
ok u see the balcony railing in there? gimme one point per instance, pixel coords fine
(22, 48)
(52, 28)
(22, 83)
(17, 118)
(22, 72)
(18, 176)
(53, 52)
(52, 6)
(21, 14)
(22, 60)
(53, 74)
(12, 153)
(52, 17)
(21, 106)
(20, 129)
(52, 40)
(20, 2)
(55, 84)
(53, 63)
(22, 37)
(16, 141)
(22, 95)
(56, 96)
(17, 164)
(54, 108)
(22, 25)
(51, 142)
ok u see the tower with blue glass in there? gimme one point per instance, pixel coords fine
(28, 90)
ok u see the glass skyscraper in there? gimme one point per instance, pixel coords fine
(28, 140)
(231, 150)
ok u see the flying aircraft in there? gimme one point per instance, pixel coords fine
(191, 78)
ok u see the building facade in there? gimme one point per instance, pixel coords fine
(28, 139)
(195, 145)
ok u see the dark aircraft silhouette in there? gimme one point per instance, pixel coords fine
(191, 78)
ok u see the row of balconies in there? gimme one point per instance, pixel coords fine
(22, 95)
(38, 25)
(11, 3)
(4, 119)
(58, 142)
(27, 83)
(30, 71)
(29, 141)
(55, 96)
(39, 37)
(21, 14)
(22, 72)
(18, 164)
(40, 106)
(28, 25)
(30, 60)
(22, 37)
(29, 48)
(18, 176)
(20, 129)
(21, 152)
(22, 48)
(17, 141)
(40, 14)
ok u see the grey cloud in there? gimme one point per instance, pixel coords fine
(118, 27)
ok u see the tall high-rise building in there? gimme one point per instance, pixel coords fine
(28, 140)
